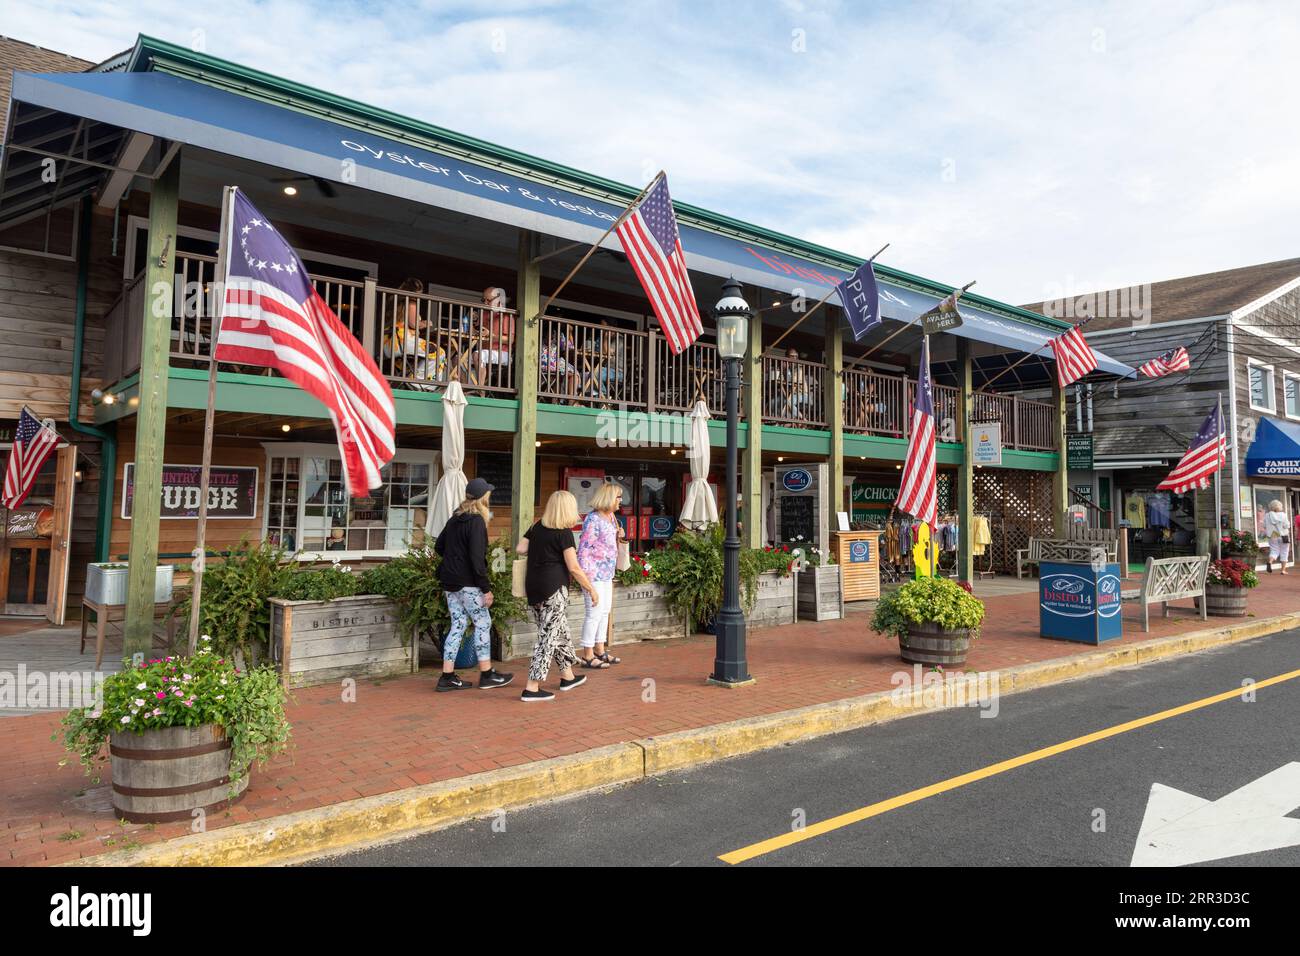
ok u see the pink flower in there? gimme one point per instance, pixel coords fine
(161, 695)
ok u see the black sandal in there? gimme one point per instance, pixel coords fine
(595, 663)
(609, 658)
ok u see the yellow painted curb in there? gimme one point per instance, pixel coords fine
(370, 820)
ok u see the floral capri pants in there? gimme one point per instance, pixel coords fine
(554, 640)
(467, 605)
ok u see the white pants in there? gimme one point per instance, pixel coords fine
(593, 625)
(1279, 550)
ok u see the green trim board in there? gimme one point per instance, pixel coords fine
(628, 428)
(152, 54)
(882, 448)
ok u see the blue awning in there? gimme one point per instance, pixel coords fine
(1275, 452)
(205, 116)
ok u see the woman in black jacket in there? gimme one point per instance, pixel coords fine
(463, 574)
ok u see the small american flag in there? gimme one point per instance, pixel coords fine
(1206, 456)
(1074, 358)
(34, 442)
(653, 246)
(918, 491)
(1175, 360)
(273, 317)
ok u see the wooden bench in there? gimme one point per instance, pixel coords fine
(1170, 579)
(1069, 550)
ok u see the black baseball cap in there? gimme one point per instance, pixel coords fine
(477, 488)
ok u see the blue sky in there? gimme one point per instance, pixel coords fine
(1039, 148)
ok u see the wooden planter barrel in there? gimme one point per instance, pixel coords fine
(1224, 601)
(932, 645)
(168, 773)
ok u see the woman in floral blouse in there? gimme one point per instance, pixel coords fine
(598, 556)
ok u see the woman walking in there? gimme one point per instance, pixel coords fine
(463, 574)
(598, 557)
(552, 559)
(1278, 531)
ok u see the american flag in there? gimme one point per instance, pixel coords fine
(1205, 457)
(650, 239)
(1074, 358)
(274, 317)
(919, 488)
(1175, 360)
(33, 443)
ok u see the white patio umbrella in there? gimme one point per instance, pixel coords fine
(451, 486)
(700, 507)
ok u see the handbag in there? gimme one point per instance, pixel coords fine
(518, 577)
(624, 560)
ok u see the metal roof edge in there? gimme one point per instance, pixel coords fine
(150, 53)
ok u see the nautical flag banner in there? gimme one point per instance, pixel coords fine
(273, 317)
(918, 490)
(861, 300)
(1074, 358)
(34, 442)
(1175, 360)
(1205, 457)
(650, 239)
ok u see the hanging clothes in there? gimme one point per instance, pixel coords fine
(892, 550)
(980, 535)
(1135, 510)
(1157, 515)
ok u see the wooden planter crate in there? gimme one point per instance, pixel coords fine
(820, 598)
(774, 603)
(319, 642)
(640, 614)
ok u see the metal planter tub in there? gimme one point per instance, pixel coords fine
(106, 583)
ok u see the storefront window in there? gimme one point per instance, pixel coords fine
(1264, 496)
(308, 507)
(1161, 523)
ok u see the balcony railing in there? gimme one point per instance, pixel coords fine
(423, 341)
(793, 392)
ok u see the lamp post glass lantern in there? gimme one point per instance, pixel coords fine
(730, 666)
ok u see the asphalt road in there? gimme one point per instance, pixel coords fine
(1080, 807)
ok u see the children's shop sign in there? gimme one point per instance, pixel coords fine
(232, 491)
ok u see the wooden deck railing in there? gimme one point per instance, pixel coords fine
(422, 341)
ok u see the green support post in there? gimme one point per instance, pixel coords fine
(151, 415)
(528, 302)
(834, 403)
(966, 470)
(1061, 477)
(751, 462)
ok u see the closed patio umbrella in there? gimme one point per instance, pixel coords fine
(700, 507)
(451, 486)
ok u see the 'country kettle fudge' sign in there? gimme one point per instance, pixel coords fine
(232, 491)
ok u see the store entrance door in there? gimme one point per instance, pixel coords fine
(34, 548)
(650, 509)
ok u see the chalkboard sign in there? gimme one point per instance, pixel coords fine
(496, 468)
(797, 520)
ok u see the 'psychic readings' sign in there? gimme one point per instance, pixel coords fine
(232, 491)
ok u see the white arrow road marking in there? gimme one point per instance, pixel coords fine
(1179, 828)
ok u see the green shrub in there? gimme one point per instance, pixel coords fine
(319, 583)
(236, 590)
(928, 601)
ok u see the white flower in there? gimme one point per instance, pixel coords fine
(206, 638)
(347, 570)
(141, 686)
(94, 714)
(224, 682)
(221, 697)
(186, 677)
(138, 702)
(126, 718)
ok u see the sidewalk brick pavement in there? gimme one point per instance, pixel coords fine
(401, 734)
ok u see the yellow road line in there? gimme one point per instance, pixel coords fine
(953, 783)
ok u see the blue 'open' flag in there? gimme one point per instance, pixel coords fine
(861, 299)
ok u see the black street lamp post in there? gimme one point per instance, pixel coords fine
(730, 666)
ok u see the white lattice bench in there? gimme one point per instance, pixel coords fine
(1170, 579)
(1070, 550)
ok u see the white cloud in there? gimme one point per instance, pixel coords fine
(1020, 144)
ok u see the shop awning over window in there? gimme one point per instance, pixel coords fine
(1275, 452)
(204, 116)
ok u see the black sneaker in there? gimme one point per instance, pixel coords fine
(491, 678)
(452, 682)
(570, 684)
(529, 696)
